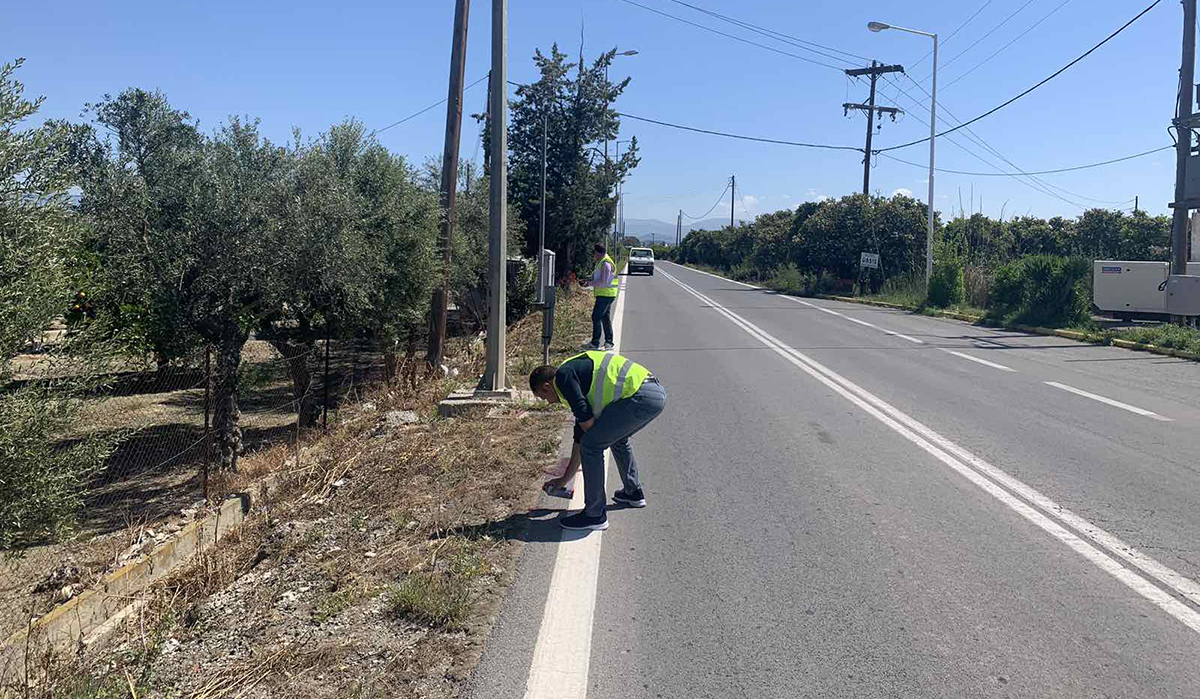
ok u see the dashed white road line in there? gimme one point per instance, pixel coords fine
(563, 652)
(977, 360)
(1109, 401)
(1031, 504)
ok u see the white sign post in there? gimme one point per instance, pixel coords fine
(870, 260)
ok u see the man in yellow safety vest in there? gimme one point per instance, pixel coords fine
(604, 285)
(612, 397)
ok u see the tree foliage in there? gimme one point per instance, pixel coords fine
(572, 103)
(41, 478)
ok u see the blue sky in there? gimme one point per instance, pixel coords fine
(309, 65)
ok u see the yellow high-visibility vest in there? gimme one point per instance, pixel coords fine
(613, 377)
(611, 289)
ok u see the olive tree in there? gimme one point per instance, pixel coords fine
(41, 480)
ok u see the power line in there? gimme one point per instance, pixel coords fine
(1036, 172)
(731, 36)
(800, 43)
(739, 136)
(1034, 182)
(1015, 40)
(1055, 74)
(991, 31)
(417, 114)
(720, 200)
(949, 37)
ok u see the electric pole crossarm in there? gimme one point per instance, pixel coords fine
(875, 70)
(847, 106)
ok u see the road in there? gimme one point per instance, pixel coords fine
(847, 501)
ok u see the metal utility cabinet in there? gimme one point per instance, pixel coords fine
(1129, 289)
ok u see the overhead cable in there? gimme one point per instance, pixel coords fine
(1035, 172)
(720, 199)
(1055, 74)
(417, 114)
(739, 136)
(1010, 43)
(731, 36)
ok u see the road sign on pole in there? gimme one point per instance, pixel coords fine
(869, 260)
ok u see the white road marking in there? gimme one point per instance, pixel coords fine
(1050, 517)
(823, 309)
(1109, 401)
(563, 652)
(977, 360)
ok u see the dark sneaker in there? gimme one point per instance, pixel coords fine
(608, 346)
(632, 498)
(581, 522)
(589, 346)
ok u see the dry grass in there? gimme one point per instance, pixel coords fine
(377, 564)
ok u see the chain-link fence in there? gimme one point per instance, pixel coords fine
(165, 461)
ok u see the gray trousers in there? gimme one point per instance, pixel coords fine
(612, 430)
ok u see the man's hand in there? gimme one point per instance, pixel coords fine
(587, 424)
(564, 481)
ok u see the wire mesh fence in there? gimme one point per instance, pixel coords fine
(166, 459)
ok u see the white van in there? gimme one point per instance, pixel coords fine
(641, 260)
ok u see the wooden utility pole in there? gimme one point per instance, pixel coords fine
(732, 189)
(1183, 142)
(458, 54)
(679, 228)
(874, 72)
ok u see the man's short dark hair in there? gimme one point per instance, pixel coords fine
(541, 375)
(599, 248)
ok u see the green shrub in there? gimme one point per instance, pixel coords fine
(790, 280)
(946, 287)
(1045, 290)
(745, 272)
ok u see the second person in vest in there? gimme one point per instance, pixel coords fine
(604, 285)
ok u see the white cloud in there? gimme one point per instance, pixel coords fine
(823, 197)
(902, 190)
(811, 192)
(786, 197)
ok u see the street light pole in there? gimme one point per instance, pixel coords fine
(878, 27)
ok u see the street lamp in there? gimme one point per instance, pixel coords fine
(878, 27)
(619, 214)
(630, 52)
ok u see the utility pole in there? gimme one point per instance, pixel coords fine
(1183, 142)
(732, 189)
(874, 72)
(458, 54)
(679, 228)
(494, 378)
(1135, 204)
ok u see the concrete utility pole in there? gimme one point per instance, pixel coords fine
(1183, 139)
(732, 189)
(679, 228)
(494, 376)
(458, 54)
(874, 72)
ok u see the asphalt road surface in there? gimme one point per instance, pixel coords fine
(847, 501)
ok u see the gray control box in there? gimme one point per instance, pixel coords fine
(1183, 295)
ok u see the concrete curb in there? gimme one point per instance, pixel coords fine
(87, 619)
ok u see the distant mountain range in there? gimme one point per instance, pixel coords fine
(652, 230)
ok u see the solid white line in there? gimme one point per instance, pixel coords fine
(975, 469)
(563, 652)
(823, 309)
(977, 360)
(1109, 401)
